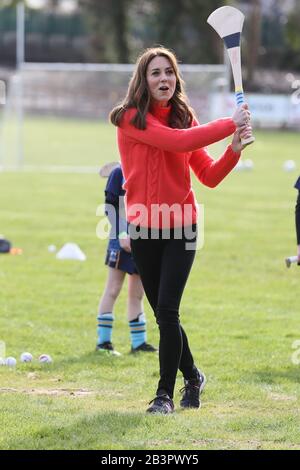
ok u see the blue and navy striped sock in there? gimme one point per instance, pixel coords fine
(105, 325)
(138, 331)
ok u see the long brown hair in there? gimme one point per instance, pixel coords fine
(138, 95)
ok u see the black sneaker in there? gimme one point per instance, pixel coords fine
(145, 347)
(107, 348)
(161, 404)
(192, 390)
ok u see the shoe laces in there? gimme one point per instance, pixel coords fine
(160, 400)
(190, 387)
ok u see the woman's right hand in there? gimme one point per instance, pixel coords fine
(125, 244)
(241, 116)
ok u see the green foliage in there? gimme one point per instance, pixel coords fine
(181, 25)
(109, 24)
(293, 32)
(240, 310)
(8, 3)
(130, 26)
(117, 31)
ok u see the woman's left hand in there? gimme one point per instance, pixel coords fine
(241, 133)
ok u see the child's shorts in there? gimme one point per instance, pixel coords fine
(120, 259)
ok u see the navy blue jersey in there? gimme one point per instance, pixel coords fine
(297, 184)
(115, 208)
(114, 186)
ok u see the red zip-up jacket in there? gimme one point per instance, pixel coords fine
(156, 165)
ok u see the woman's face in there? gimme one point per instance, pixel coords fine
(161, 80)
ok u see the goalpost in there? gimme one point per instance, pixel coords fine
(49, 94)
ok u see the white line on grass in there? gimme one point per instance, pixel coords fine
(51, 169)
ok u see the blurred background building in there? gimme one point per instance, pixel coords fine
(114, 31)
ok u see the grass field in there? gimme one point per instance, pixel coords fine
(240, 309)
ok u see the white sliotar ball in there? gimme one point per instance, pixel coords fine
(10, 362)
(239, 166)
(45, 358)
(248, 164)
(289, 165)
(51, 248)
(26, 357)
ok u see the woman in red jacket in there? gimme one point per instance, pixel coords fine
(159, 141)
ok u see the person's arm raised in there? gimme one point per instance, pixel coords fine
(177, 140)
(209, 171)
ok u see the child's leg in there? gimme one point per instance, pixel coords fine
(136, 317)
(105, 312)
(135, 296)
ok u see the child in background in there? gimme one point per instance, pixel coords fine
(297, 218)
(120, 263)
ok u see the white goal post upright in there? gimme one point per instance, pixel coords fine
(20, 54)
(16, 84)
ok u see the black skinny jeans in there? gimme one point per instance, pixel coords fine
(164, 266)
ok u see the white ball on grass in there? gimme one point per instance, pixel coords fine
(289, 165)
(239, 166)
(45, 358)
(26, 357)
(52, 248)
(10, 362)
(248, 164)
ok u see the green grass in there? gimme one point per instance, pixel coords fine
(240, 310)
(60, 142)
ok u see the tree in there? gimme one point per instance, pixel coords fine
(168, 21)
(253, 40)
(8, 3)
(207, 47)
(181, 25)
(293, 33)
(109, 23)
(119, 21)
